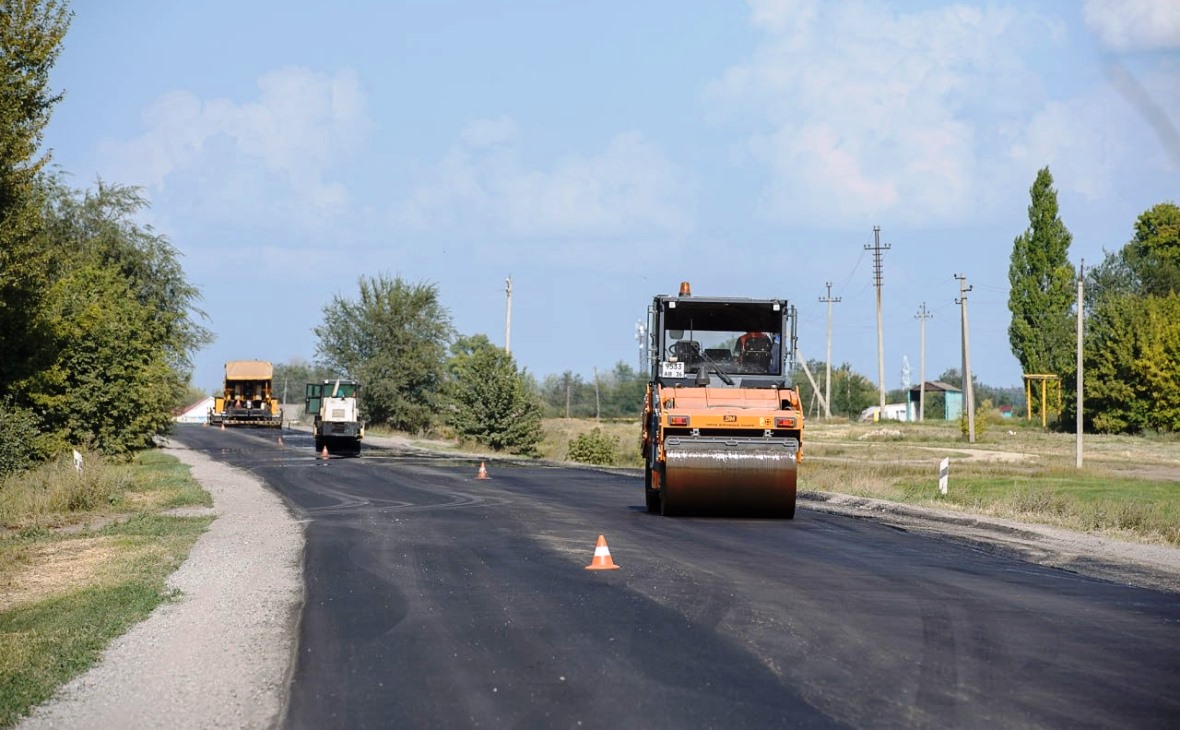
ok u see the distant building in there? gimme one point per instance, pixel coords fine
(893, 412)
(952, 406)
(196, 413)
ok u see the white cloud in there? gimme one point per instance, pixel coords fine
(1134, 25)
(863, 110)
(270, 155)
(1070, 137)
(627, 188)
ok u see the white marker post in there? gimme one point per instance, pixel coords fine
(77, 461)
(944, 470)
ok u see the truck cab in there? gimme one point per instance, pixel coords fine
(336, 425)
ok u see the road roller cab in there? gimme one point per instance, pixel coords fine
(722, 426)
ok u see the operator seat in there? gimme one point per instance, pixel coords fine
(756, 355)
(687, 352)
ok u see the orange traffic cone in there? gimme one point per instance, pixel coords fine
(280, 439)
(483, 472)
(223, 425)
(324, 453)
(602, 560)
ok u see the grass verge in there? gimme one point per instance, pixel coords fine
(82, 559)
(1127, 488)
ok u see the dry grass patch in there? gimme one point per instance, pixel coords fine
(48, 569)
(66, 589)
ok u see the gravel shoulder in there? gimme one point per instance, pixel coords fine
(1138, 564)
(219, 656)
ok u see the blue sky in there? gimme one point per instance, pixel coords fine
(600, 153)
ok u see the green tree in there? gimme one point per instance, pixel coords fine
(624, 392)
(1132, 365)
(110, 385)
(118, 324)
(567, 396)
(1042, 293)
(31, 32)
(851, 391)
(492, 401)
(1132, 330)
(393, 339)
(291, 378)
(97, 227)
(1153, 253)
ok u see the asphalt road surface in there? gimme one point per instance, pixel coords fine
(434, 599)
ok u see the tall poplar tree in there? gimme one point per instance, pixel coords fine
(1042, 332)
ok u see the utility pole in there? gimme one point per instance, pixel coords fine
(1081, 279)
(508, 315)
(597, 401)
(922, 316)
(877, 248)
(829, 300)
(968, 388)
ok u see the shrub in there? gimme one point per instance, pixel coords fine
(55, 489)
(985, 414)
(18, 439)
(593, 448)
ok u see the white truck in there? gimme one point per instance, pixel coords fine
(337, 426)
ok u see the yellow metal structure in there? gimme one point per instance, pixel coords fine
(722, 428)
(1050, 384)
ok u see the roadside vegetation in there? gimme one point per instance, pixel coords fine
(97, 319)
(1128, 488)
(83, 557)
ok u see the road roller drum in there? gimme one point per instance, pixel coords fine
(716, 478)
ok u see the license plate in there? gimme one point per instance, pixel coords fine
(671, 370)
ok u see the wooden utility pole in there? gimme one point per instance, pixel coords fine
(829, 300)
(877, 248)
(1081, 280)
(508, 315)
(922, 316)
(597, 400)
(968, 387)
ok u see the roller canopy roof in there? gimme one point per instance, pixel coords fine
(248, 370)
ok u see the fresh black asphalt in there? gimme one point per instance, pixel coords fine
(437, 600)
